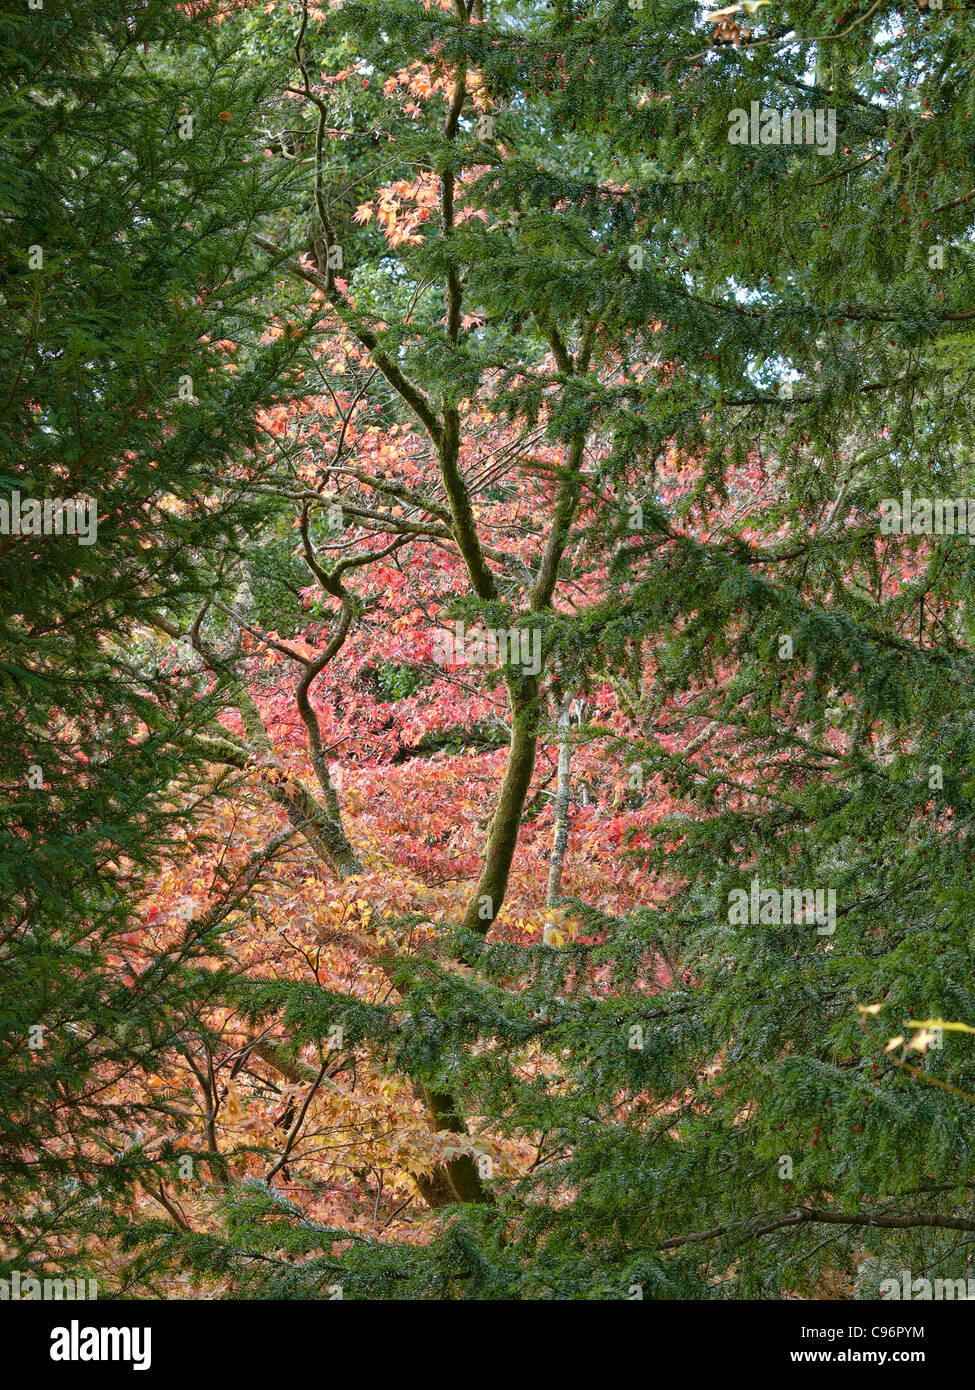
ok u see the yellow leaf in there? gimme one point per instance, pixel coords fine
(940, 1023)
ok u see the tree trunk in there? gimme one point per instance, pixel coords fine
(560, 829)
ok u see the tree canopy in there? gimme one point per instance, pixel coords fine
(488, 798)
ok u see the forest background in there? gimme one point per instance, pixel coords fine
(489, 814)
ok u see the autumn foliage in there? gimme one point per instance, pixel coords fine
(366, 959)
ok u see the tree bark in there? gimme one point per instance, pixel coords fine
(560, 828)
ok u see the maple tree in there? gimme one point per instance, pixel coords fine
(454, 1003)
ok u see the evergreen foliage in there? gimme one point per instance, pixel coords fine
(641, 288)
(121, 262)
